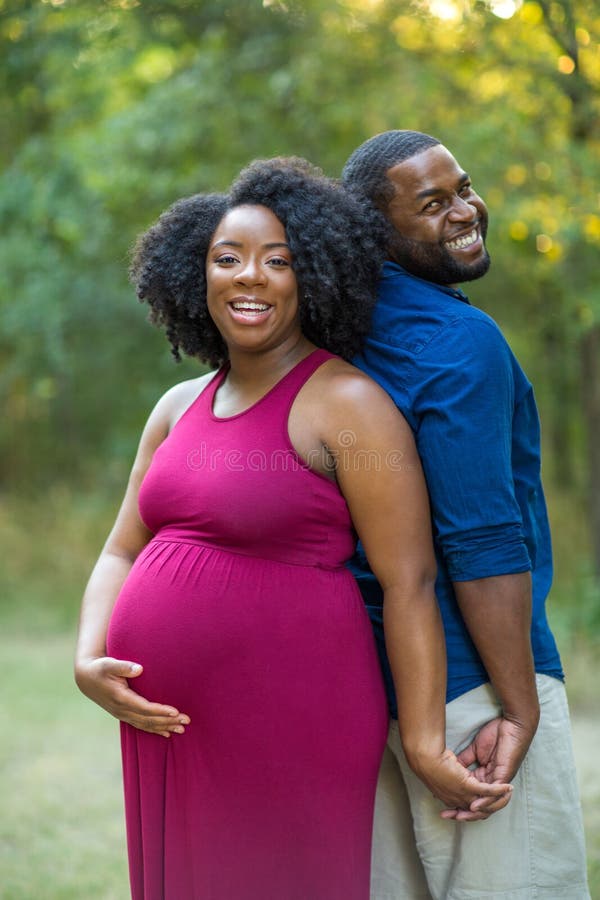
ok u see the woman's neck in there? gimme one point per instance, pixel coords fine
(251, 372)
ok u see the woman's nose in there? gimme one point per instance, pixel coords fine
(250, 273)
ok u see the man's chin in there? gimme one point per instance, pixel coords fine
(477, 270)
(450, 272)
(431, 262)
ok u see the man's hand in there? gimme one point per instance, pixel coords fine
(497, 750)
(466, 797)
(105, 681)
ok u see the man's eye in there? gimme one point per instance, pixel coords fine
(432, 205)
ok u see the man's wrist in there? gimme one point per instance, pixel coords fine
(521, 707)
(525, 717)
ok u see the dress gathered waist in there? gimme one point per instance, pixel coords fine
(207, 545)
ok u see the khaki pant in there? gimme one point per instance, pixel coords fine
(533, 848)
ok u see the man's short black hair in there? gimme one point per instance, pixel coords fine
(365, 171)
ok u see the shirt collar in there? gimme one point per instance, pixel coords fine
(392, 269)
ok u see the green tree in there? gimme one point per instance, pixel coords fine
(113, 109)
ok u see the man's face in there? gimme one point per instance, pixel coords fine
(440, 221)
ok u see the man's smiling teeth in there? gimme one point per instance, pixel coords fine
(462, 242)
(250, 305)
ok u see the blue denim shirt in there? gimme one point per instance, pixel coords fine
(453, 376)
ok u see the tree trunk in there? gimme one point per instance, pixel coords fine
(590, 372)
(560, 418)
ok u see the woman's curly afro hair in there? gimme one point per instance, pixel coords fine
(337, 244)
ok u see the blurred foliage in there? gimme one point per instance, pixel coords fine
(112, 109)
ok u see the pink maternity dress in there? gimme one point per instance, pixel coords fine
(244, 616)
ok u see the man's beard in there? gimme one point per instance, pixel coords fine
(433, 262)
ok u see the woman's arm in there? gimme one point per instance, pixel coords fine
(380, 475)
(101, 678)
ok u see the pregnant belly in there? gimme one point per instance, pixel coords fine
(222, 637)
(175, 614)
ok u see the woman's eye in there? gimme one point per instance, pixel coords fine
(225, 260)
(279, 261)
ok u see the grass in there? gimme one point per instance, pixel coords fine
(61, 832)
(48, 550)
(61, 829)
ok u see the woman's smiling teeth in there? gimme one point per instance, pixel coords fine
(465, 241)
(250, 307)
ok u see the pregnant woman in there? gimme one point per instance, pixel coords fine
(220, 624)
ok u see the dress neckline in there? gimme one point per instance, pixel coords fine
(222, 373)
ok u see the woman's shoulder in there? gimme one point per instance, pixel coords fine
(178, 398)
(341, 382)
(353, 410)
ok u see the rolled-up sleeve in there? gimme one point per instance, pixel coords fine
(464, 403)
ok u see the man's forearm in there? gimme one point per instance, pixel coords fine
(497, 613)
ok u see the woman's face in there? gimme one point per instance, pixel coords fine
(252, 292)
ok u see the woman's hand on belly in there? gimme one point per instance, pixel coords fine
(105, 681)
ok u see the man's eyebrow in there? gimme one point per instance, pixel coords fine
(433, 192)
(428, 192)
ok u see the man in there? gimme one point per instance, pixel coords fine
(455, 379)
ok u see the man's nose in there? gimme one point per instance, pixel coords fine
(462, 210)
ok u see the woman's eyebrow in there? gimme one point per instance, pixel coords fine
(268, 246)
